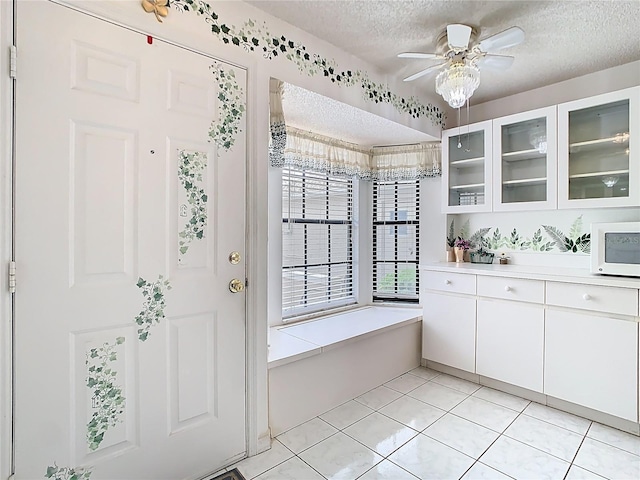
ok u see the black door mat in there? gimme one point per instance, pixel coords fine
(230, 475)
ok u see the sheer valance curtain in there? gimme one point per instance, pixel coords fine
(294, 147)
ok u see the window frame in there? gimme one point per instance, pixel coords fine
(396, 224)
(304, 311)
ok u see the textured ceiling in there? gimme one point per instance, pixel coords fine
(563, 39)
(338, 120)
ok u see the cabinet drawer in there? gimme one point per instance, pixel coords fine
(451, 282)
(622, 301)
(511, 289)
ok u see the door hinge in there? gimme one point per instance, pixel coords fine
(13, 63)
(12, 277)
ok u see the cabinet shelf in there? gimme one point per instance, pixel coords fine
(469, 162)
(529, 154)
(470, 186)
(525, 181)
(600, 174)
(610, 144)
(599, 141)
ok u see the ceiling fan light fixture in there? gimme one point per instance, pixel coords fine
(457, 83)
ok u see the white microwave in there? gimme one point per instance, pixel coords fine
(615, 248)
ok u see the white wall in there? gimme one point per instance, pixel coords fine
(604, 81)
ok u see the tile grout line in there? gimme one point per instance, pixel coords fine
(584, 437)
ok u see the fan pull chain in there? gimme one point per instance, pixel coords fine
(468, 149)
(459, 142)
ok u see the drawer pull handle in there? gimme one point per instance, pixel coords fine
(507, 288)
(447, 282)
(586, 296)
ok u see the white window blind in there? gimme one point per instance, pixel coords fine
(317, 241)
(396, 239)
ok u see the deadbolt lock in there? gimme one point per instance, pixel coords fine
(236, 286)
(234, 258)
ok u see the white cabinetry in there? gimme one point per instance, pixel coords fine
(592, 361)
(449, 320)
(574, 339)
(591, 358)
(598, 152)
(524, 161)
(584, 153)
(466, 169)
(510, 338)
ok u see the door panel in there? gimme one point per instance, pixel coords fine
(130, 348)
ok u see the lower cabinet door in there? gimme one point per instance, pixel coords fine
(592, 361)
(449, 330)
(511, 342)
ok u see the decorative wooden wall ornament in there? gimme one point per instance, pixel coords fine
(158, 7)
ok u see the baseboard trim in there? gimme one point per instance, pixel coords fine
(553, 402)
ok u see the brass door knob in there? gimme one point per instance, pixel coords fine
(236, 286)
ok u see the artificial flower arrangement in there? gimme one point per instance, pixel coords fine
(462, 244)
(460, 247)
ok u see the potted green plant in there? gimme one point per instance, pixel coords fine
(451, 243)
(481, 255)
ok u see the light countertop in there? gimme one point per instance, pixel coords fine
(556, 274)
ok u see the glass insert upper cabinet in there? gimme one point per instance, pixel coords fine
(524, 150)
(466, 168)
(598, 157)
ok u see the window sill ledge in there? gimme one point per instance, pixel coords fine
(295, 342)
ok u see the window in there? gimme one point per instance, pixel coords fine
(317, 241)
(396, 240)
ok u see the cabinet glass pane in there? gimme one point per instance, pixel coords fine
(524, 161)
(599, 151)
(466, 169)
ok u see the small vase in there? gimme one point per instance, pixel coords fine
(459, 252)
(451, 256)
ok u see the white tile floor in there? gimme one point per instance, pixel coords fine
(433, 426)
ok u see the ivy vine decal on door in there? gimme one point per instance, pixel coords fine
(107, 399)
(152, 306)
(253, 37)
(191, 166)
(67, 473)
(223, 132)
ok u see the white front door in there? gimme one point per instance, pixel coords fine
(130, 198)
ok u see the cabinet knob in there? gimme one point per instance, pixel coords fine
(447, 282)
(586, 296)
(507, 288)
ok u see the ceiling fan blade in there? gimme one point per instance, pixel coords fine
(508, 38)
(418, 55)
(499, 62)
(458, 36)
(422, 73)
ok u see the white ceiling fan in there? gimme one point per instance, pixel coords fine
(463, 56)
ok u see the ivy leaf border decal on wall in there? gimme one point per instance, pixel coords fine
(257, 38)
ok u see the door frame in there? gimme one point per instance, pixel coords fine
(6, 240)
(257, 433)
